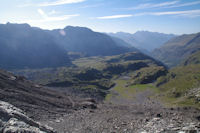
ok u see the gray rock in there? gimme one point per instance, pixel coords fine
(16, 126)
(14, 120)
(88, 104)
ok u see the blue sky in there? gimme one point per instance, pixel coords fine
(167, 16)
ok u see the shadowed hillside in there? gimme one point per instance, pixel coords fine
(37, 101)
(84, 40)
(23, 46)
(177, 49)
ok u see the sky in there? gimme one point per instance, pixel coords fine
(165, 16)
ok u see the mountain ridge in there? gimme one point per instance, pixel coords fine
(81, 39)
(23, 46)
(177, 49)
(144, 39)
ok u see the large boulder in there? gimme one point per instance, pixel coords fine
(14, 120)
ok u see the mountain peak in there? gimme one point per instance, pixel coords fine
(75, 28)
(22, 25)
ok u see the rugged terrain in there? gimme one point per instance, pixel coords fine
(100, 85)
(130, 98)
(128, 107)
(97, 74)
(23, 46)
(37, 101)
(14, 120)
(139, 112)
(134, 108)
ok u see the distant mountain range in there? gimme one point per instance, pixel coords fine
(23, 46)
(84, 40)
(177, 49)
(144, 40)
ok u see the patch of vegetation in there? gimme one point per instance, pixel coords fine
(75, 55)
(91, 62)
(125, 67)
(148, 75)
(176, 85)
(126, 91)
(193, 59)
(89, 74)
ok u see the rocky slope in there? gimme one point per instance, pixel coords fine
(33, 99)
(38, 102)
(145, 117)
(177, 49)
(67, 112)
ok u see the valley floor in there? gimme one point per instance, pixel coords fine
(133, 113)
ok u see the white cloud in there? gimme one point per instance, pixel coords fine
(54, 3)
(153, 5)
(185, 4)
(46, 18)
(171, 4)
(188, 13)
(60, 2)
(92, 6)
(53, 12)
(25, 5)
(115, 16)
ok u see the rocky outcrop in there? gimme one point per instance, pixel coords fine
(14, 120)
(194, 93)
(89, 103)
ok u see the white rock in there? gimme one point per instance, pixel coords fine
(14, 120)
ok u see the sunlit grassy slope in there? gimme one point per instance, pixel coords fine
(128, 92)
(180, 86)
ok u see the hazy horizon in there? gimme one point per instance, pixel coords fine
(169, 16)
(103, 31)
